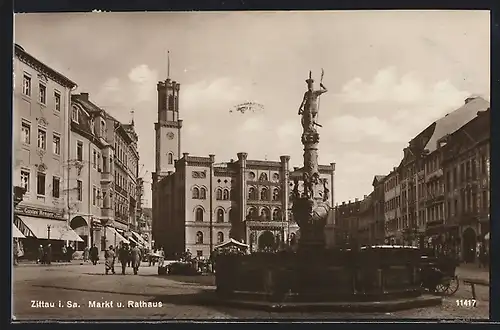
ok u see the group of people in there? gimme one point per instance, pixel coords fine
(91, 254)
(128, 255)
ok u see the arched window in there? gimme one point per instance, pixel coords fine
(219, 194)
(170, 158)
(252, 213)
(225, 195)
(199, 237)
(264, 196)
(264, 214)
(220, 215)
(196, 193)
(276, 194)
(263, 177)
(231, 216)
(220, 237)
(203, 193)
(170, 102)
(252, 193)
(199, 215)
(276, 215)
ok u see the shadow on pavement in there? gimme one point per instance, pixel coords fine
(91, 290)
(201, 280)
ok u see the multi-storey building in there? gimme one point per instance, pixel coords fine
(366, 221)
(103, 169)
(41, 128)
(466, 164)
(347, 217)
(378, 199)
(198, 204)
(392, 208)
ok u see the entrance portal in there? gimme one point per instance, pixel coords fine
(469, 239)
(266, 241)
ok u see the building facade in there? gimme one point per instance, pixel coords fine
(392, 210)
(466, 166)
(40, 136)
(347, 217)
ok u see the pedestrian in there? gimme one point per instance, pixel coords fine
(482, 256)
(94, 254)
(109, 256)
(16, 252)
(161, 261)
(129, 257)
(39, 258)
(85, 254)
(64, 251)
(123, 256)
(135, 254)
(69, 253)
(48, 254)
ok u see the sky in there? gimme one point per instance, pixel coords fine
(389, 75)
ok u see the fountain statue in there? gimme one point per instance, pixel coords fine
(310, 209)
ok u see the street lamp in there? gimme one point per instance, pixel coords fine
(48, 232)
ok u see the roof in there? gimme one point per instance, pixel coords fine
(455, 120)
(19, 51)
(231, 242)
(377, 179)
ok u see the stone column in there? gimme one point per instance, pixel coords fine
(242, 196)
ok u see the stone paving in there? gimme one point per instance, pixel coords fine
(77, 286)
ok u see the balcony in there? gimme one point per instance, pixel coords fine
(106, 177)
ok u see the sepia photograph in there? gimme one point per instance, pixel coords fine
(251, 165)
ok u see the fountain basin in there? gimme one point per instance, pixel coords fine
(369, 274)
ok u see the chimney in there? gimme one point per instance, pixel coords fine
(364, 196)
(350, 202)
(185, 155)
(84, 96)
(343, 203)
(356, 199)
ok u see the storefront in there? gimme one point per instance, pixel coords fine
(112, 237)
(41, 227)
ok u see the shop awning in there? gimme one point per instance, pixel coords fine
(111, 233)
(131, 239)
(232, 242)
(16, 233)
(40, 228)
(139, 238)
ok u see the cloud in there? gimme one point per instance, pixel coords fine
(144, 82)
(399, 106)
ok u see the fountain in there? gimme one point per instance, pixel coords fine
(313, 277)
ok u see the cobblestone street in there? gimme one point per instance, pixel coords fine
(81, 284)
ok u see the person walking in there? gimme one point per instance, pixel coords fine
(64, 252)
(48, 254)
(135, 254)
(123, 257)
(94, 254)
(86, 254)
(109, 256)
(40, 255)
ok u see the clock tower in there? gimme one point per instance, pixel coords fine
(167, 129)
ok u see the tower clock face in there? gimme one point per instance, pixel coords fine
(170, 135)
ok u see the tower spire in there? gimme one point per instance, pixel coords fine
(168, 64)
(132, 116)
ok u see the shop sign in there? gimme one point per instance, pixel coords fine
(34, 212)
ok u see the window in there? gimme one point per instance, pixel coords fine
(226, 195)
(27, 85)
(220, 237)
(25, 180)
(219, 194)
(252, 213)
(79, 151)
(57, 101)
(94, 195)
(170, 158)
(263, 194)
(42, 139)
(199, 215)
(263, 177)
(56, 144)
(25, 132)
(252, 193)
(103, 128)
(99, 197)
(196, 193)
(264, 214)
(203, 193)
(220, 215)
(170, 102)
(43, 94)
(199, 237)
(79, 189)
(104, 164)
(276, 215)
(55, 186)
(40, 185)
(74, 114)
(94, 159)
(276, 194)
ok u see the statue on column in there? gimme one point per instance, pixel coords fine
(309, 106)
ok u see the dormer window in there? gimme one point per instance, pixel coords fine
(103, 128)
(92, 125)
(74, 114)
